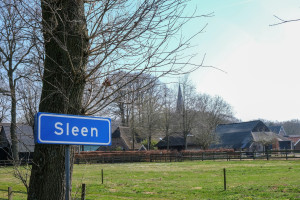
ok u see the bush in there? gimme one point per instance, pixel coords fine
(153, 144)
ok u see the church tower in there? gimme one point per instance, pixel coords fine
(179, 106)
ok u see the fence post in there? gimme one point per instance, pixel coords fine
(227, 156)
(102, 175)
(10, 193)
(286, 157)
(83, 192)
(240, 155)
(202, 156)
(224, 172)
(267, 155)
(253, 155)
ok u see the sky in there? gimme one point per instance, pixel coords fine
(259, 64)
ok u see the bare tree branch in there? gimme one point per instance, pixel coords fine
(283, 21)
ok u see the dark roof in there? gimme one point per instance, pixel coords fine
(293, 136)
(279, 130)
(252, 126)
(275, 129)
(175, 140)
(234, 140)
(24, 135)
(245, 139)
(238, 135)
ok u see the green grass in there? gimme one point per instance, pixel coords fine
(184, 180)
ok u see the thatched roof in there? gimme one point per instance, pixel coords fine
(264, 137)
(126, 134)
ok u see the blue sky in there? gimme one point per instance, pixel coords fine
(262, 62)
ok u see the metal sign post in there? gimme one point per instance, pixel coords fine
(67, 170)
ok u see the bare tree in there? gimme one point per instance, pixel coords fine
(283, 21)
(15, 49)
(29, 92)
(132, 93)
(136, 41)
(129, 101)
(292, 127)
(167, 119)
(211, 112)
(4, 108)
(87, 41)
(151, 112)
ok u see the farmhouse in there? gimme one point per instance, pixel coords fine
(250, 136)
(122, 139)
(176, 142)
(25, 141)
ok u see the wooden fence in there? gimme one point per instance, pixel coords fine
(167, 156)
(174, 156)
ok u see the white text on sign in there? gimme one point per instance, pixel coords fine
(84, 131)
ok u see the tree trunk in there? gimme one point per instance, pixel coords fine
(122, 112)
(149, 142)
(66, 44)
(185, 140)
(13, 113)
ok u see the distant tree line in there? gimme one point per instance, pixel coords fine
(291, 127)
(156, 108)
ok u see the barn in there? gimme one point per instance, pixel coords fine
(250, 136)
(25, 141)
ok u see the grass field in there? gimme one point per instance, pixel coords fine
(183, 180)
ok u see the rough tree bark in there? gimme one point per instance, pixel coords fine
(66, 44)
(13, 113)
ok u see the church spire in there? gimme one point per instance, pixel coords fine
(179, 106)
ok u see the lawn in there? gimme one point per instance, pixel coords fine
(181, 180)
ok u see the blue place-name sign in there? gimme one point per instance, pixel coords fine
(53, 128)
